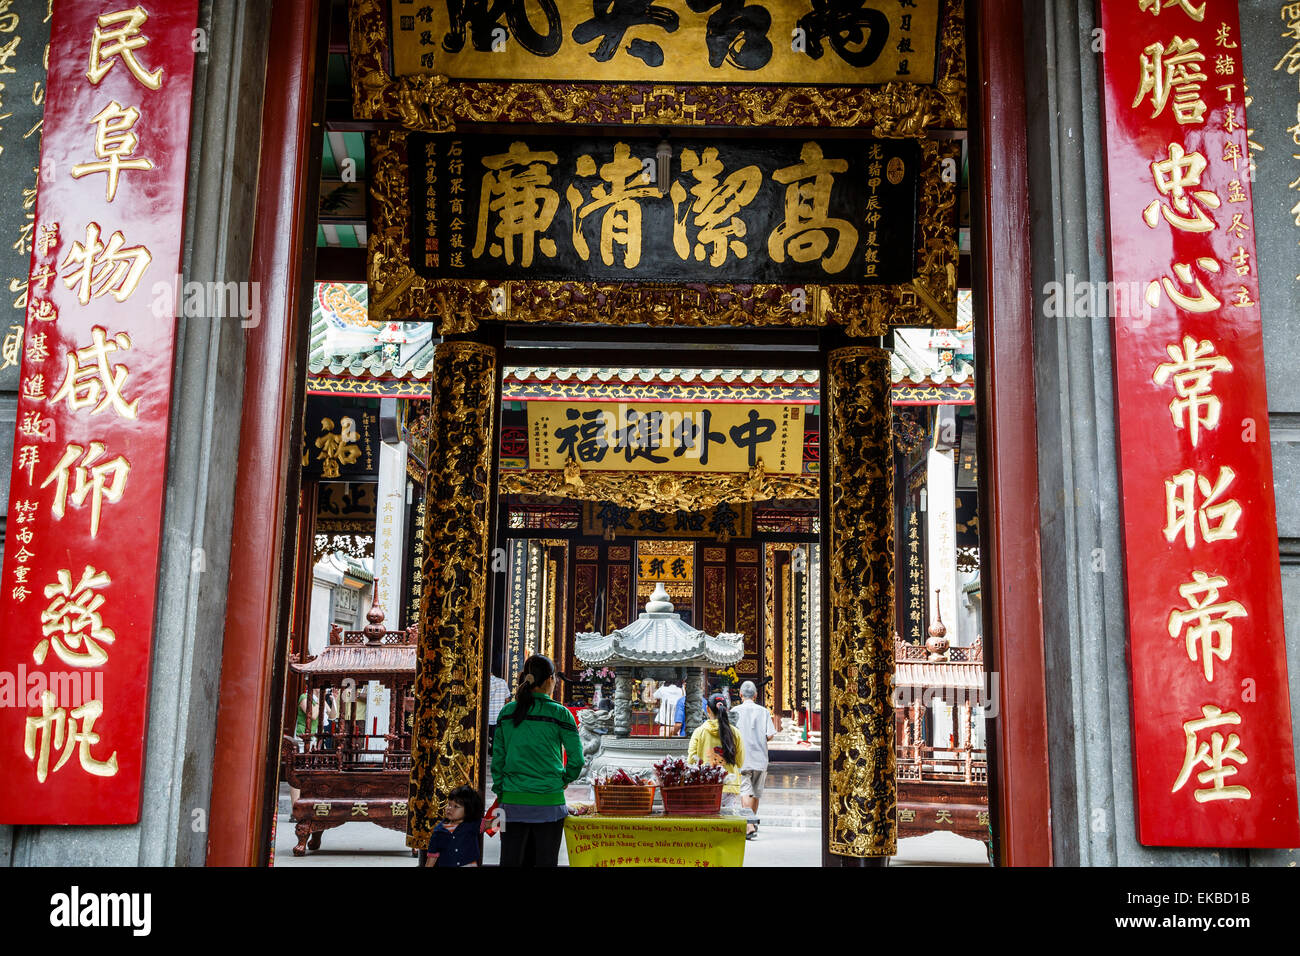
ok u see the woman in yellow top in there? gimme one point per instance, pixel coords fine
(715, 741)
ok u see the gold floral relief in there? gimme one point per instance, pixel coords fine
(859, 717)
(435, 103)
(449, 718)
(661, 489)
(397, 293)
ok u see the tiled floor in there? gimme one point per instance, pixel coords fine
(790, 833)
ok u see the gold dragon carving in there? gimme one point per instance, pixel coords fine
(860, 649)
(449, 721)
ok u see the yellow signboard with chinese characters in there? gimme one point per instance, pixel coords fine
(665, 436)
(669, 568)
(836, 42)
(601, 840)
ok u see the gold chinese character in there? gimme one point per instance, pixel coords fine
(25, 511)
(1204, 620)
(1203, 301)
(1173, 69)
(98, 269)
(1243, 299)
(805, 231)
(102, 481)
(906, 815)
(1238, 225)
(43, 310)
(47, 238)
(1222, 37)
(114, 140)
(33, 425)
(715, 207)
(33, 388)
(1212, 755)
(1192, 366)
(321, 809)
(1172, 177)
(514, 191)
(29, 456)
(122, 41)
(13, 347)
(1183, 515)
(982, 817)
(1236, 192)
(1241, 260)
(72, 624)
(1230, 124)
(621, 202)
(90, 381)
(36, 350)
(400, 808)
(68, 735)
(360, 809)
(337, 449)
(1196, 13)
(1232, 154)
(943, 816)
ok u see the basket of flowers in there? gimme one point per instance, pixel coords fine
(690, 788)
(623, 794)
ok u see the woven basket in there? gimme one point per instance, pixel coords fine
(624, 800)
(695, 798)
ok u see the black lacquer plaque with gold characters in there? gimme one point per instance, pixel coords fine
(816, 210)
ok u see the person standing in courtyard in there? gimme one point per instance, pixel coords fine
(752, 720)
(715, 741)
(534, 736)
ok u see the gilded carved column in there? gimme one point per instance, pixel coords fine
(449, 721)
(859, 715)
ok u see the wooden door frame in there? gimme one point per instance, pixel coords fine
(257, 615)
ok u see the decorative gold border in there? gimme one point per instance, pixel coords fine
(660, 489)
(858, 719)
(435, 103)
(397, 293)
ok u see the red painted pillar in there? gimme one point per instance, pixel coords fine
(1020, 795)
(263, 538)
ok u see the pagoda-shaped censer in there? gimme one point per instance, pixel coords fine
(659, 638)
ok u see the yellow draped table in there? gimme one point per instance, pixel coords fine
(606, 840)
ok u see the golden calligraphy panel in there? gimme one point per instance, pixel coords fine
(679, 436)
(779, 41)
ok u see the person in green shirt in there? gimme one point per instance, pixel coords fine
(534, 736)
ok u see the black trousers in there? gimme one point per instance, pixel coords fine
(531, 844)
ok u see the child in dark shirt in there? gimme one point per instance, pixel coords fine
(454, 841)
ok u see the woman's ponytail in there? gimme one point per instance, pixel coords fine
(537, 671)
(719, 704)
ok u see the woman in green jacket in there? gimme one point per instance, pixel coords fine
(529, 774)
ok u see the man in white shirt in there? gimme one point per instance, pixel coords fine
(754, 724)
(667, 694)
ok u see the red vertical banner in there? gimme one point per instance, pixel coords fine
(1214, 764)
(90, 449)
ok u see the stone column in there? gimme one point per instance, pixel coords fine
(449, 721)
(858, 714)
(694, 699)
(622, 705)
